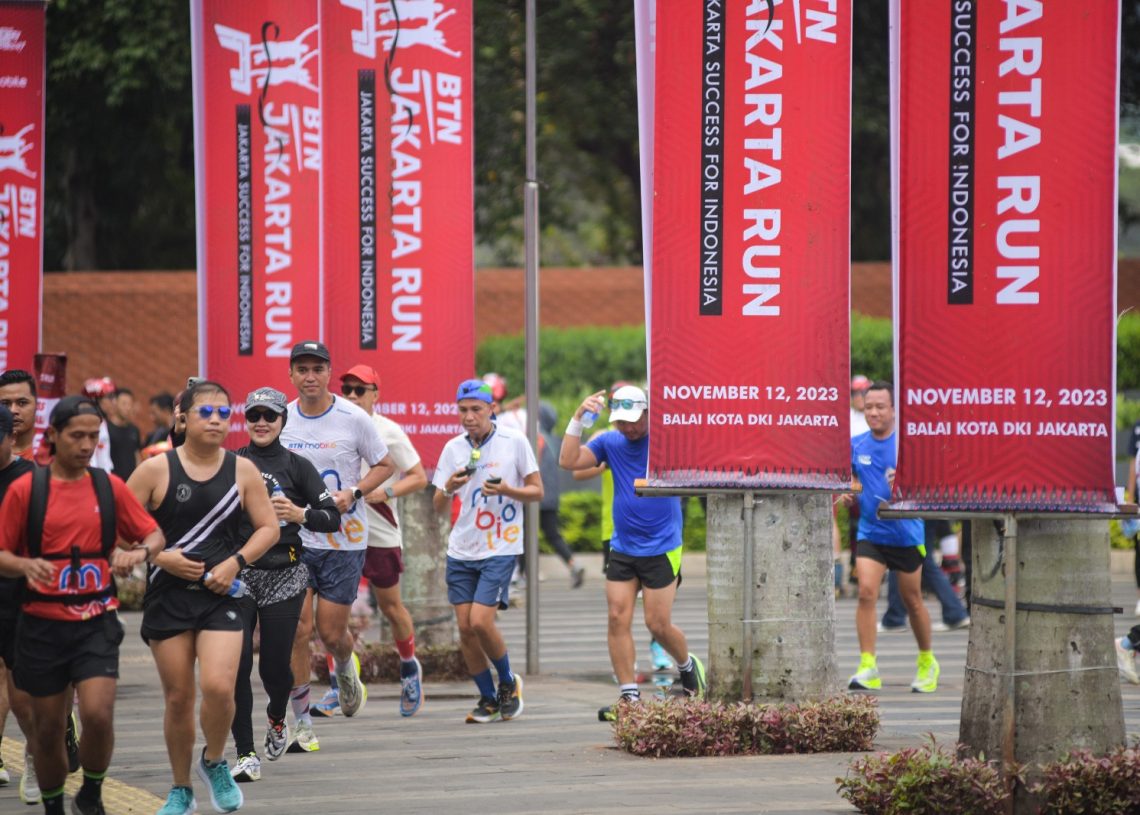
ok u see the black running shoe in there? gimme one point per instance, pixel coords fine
(486, 710)
(510, 698)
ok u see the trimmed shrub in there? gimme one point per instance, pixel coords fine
(1128, 352)
(927, 780)
(1083, 784)
(581, 516)
(680, 727)
(872, 347)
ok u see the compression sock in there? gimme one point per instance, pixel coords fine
(503, 668)
(407, 648)
(631, 692)
(299, 701)
(687, 666)
(92, 789)
(485, 683)
(53, 801)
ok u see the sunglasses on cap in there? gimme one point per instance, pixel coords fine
(261, 415)
(627, 404)
(206, 411)
(358, 390)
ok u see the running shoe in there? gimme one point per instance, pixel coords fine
(225, 794)
(510, 698)
(248, 768)
(661, 659)
(486, 710)
(577, 577)
(694, 681)
(71, 739)
(411, 687)
(353, 694)
(276, 739)
(867, 677)
(329, 704)
(5, 778)
(180, 801)
(304, 739)
(926, 677)
(80, 806)
(609, 713)
(890, 629)
(29, 784)
(1126, 663)
(940, 627)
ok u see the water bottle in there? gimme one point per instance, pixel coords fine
(588, 418)
(275, 492)
(237, 587)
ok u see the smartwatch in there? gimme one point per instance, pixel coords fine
(240, 558)
(391, 493)
(357, 494)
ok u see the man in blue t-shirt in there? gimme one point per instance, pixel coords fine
(882, 545)
(645, 550)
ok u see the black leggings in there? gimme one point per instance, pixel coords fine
(278, 626)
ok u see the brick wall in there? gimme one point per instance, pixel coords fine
(141, 328)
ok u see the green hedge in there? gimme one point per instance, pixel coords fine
(581, 516)
(1128, 352)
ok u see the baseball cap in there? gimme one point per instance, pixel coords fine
(270, 398)
(310, 348)
(5, 422)
(364, 373)
(69, 407)
(860, 382)
(474, 389)
(498, 385)
(627, 404)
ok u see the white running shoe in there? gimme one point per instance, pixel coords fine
(1126, 663)
(304, 739)
(353, 694)
(276, 739)
(29, 784)
(248, 768)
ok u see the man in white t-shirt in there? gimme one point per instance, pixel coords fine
(338, 438)
(384, 562)
(494, 472)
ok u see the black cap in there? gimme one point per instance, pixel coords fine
(310, 348)
(5, 422)
(71, 406)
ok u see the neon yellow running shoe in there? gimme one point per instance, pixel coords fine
(926, 678)
(867, 677)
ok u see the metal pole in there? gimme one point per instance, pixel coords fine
(1008, 721)
(530, 214)
(747, 584)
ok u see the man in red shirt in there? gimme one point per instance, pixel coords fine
(69, 632)
(18, 394)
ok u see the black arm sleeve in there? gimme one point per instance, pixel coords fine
(323, 516)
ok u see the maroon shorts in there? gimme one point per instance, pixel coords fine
(383, 565)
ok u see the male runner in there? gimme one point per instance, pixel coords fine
(894, 545)
(645, 551)
(341, 441)
(58, 528)
(197, 493)
(494, 472)
(11, 697)
(18, 394)
(383, 561)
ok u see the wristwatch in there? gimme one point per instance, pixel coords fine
(357, 494)
(240, 558)
(391, 493)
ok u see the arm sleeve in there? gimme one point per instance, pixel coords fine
(14, 515)
(323, 514)
(132, 521)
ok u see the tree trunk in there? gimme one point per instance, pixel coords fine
(793, 602)
(1067, 690)
(423, 585)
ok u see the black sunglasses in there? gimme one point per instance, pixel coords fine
(206, 411)
(358, 390)
(261, 415)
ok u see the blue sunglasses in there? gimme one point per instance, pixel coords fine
(206, 411)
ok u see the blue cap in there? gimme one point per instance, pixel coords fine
(474, 389)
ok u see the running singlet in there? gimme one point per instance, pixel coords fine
(342, 442)
(201, 518)
(487, 525)
(72, 525)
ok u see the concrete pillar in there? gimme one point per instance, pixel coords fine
(793, 602)
(423, 585)
(1067, 690)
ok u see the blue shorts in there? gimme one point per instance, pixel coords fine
(334, 574)
(486, 582)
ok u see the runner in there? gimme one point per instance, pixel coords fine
(58, 527)
(494, 472)
(18, 394)
(276, 582)
(11, 697)
(341, 442)
(383, 561)
(645, 551)
(197, 494)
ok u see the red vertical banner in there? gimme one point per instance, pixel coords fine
(257, 130)
(750, 267)
(397, 203)
(22, 62)
(1005, 133)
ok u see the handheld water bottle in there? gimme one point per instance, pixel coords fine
(273, 494)
(237, 587)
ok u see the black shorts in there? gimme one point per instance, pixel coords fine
(176, 610)
(52, 654)
(8, 641)
(906, 559)
(654, 572)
